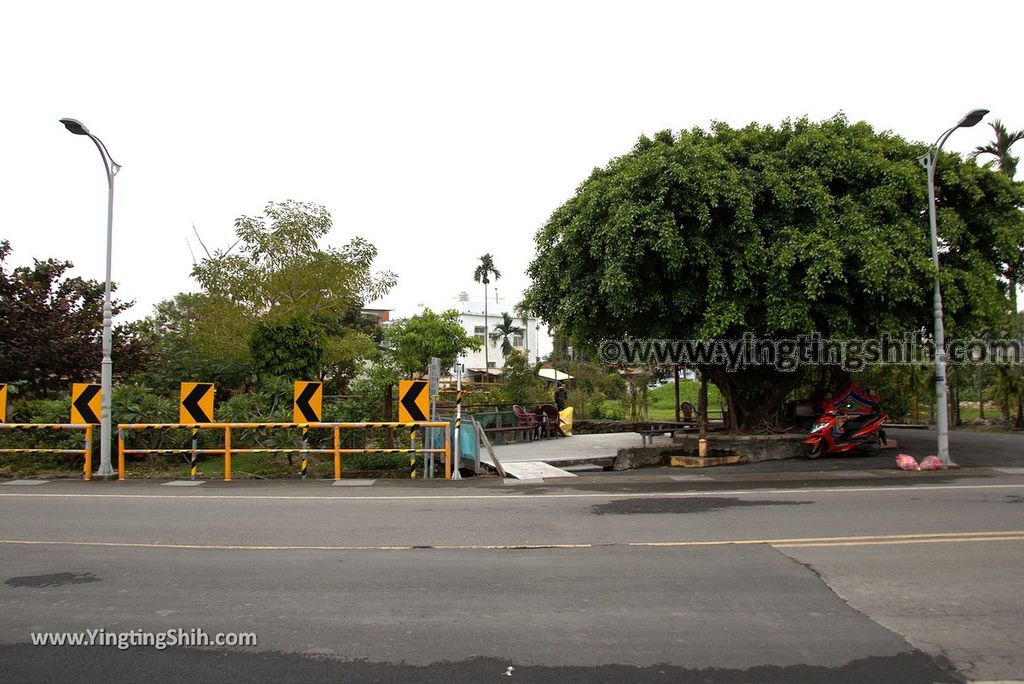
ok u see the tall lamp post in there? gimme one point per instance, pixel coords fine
(106, 368)
(929, 161)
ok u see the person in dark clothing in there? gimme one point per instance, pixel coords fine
(561, 397)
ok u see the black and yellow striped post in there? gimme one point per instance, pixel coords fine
(193, 459)
(456, 451)
(412, 451)
(305, 454)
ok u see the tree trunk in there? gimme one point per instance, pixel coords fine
(754, 396)
(956, 406)
(389, 412)
(487, 337)
(980, 381)
(702, 396)
(1018, 369)
(702, 407)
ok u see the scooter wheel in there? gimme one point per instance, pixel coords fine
(814, 450)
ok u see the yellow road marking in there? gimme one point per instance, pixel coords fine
(844, 539)
(884, 542)
(799, 542)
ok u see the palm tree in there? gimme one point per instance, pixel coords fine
(503, 332)
(1000, 148)
(483, 274)
(917, 380)
(1007, 163)
(524, 315)
(957, 376)
(1006, 386)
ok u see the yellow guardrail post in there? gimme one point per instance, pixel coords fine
(88, 452)
(120, 453)
(447, 453)
(227, 453)
(337, 453)
(334, 450)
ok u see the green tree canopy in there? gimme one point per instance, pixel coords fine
(51, 327)
(275, 303)
(774, 230)
(199, 337)
(412, 342)
(276, 270)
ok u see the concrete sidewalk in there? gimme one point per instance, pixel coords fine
(569, 449)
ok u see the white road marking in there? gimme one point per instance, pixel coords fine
(184, 483)
(26, 482)
(898, 489)
(798, 542)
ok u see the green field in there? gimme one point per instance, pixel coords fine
(661, 401)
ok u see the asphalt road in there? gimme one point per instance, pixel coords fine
(606, 579)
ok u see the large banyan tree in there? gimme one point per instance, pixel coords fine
(774, 231)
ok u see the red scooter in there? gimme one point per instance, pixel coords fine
(851, 422)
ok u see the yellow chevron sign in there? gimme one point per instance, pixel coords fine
(308, 404)
(196, 402)
(86, 403)
(413, 401)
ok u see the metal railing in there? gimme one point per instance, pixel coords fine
(86, 451)
(336, 450)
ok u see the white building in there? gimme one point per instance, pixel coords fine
(534, 339)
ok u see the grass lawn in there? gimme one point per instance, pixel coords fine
(661, 401)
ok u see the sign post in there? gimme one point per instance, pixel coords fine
(3, 402)
(307, 408)
(196, 407)
(457, 451)
(434, 378)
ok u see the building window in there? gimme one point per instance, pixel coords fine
(517, 340)
(480, 333)
(492, 364)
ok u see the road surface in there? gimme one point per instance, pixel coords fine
(904, 579)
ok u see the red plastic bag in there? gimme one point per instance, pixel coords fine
(931, 463)
(907, 462)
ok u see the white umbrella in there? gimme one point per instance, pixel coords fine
(553, 375)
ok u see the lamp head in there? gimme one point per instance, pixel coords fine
(75, 126)
(973, 117)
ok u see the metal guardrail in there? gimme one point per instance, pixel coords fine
(227, 449)
(86, 451)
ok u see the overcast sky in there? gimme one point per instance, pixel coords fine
(437, 130)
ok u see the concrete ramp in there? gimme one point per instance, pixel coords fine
(534, 470)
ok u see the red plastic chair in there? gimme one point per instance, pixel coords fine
(526, 419)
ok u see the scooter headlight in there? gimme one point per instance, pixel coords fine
(819, 426)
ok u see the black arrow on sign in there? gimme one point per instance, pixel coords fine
(409, 401)
(191, 402)
(302, 402)
(82, 404)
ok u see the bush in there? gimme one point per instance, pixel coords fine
(612, 409)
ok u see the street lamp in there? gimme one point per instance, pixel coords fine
(929, 161)
(111, 167)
